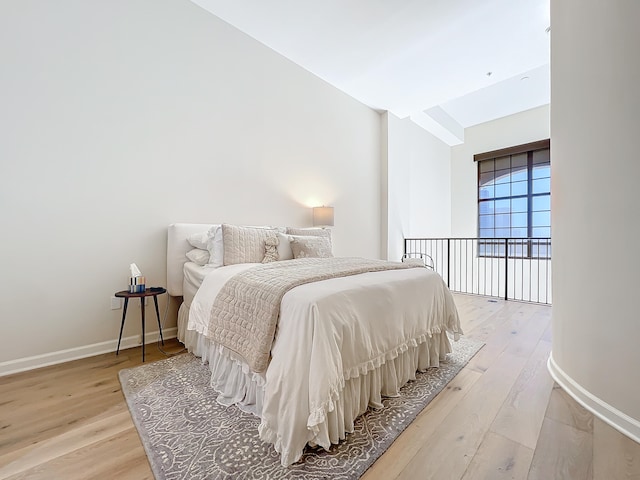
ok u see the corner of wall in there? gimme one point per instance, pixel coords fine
(384, 185)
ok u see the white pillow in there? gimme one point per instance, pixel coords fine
(313, 232)
(284, 247)
(244, 244)
(311, 246)
(199, 256)
(215, 246)
(198, 240)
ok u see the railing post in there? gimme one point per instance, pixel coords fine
(448, 260)
(506, 269)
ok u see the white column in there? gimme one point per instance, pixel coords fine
(595, 148)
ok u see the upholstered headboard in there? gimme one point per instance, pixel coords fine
(177, 247)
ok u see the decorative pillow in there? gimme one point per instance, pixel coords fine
(199, 256)
(305, 247)
(284, 247)
(198, 240)
(270, 249)
(309, 232)
(215, 246)
(244, 244)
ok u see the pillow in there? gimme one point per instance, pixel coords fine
(305, 247)
(198, 240)
(199, 256)
(284, 248)
(215, 246)
(278, 229)
(270, 249)
(305, 232)
(244, 244)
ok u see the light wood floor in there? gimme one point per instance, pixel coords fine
(501, 417)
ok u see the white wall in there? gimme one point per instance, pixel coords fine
(430, 184)
(524, 127)
(398, 190)
(121, 117)
(418, 187)
(595, 171)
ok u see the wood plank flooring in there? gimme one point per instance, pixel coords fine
(502, 417)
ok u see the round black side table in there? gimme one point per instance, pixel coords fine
(149, 292)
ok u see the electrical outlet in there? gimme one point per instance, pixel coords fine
(115, 303)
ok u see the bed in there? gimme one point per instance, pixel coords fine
(340, 345)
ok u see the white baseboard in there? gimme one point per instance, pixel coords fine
(53, 358)
(620, 421)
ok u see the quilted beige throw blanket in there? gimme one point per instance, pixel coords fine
(245, 312)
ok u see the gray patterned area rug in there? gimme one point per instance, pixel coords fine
(188, 435)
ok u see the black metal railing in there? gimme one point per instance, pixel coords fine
(508, 268)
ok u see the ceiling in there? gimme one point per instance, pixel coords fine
(446, 64)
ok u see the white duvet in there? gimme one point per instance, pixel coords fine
(368, 332)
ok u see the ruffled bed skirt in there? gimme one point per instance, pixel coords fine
(236, 384)
(183, 320)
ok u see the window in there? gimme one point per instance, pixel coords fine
(514, 200)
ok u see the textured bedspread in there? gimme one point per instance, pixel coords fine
(245, 312)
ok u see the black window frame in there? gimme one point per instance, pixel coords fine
(494, 247)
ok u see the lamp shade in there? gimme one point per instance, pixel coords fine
(323, 216)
